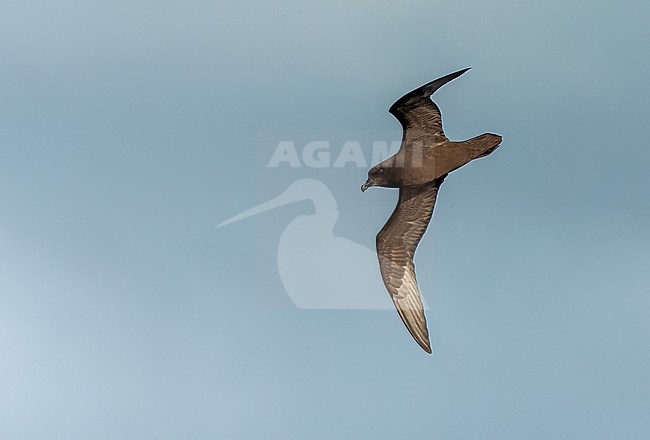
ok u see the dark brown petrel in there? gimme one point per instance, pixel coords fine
(418, 169)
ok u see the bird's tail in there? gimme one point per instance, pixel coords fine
(483, 145)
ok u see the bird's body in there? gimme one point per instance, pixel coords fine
(418, 169)
(427, 161)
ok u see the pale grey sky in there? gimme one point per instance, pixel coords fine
(131, 128)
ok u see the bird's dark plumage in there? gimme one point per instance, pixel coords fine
(416, 109)
(418, 169)
(396, 244)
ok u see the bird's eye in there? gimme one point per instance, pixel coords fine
(381, 171)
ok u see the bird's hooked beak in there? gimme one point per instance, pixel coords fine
(367, 185)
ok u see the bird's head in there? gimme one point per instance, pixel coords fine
(380, 175)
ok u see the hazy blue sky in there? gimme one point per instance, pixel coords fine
(129, 129)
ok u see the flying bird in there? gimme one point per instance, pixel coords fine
(424, 160)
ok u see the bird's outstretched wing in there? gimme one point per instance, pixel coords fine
(396, 244)
(416, 110)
